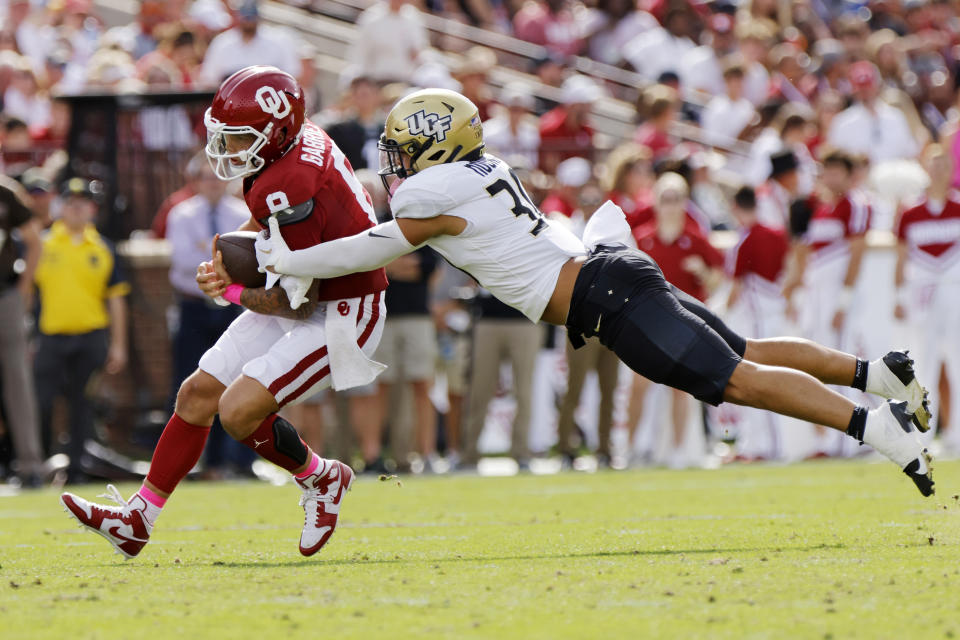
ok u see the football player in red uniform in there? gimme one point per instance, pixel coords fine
(828, 260)
(756, 308)
(272, 355)
(927, 281)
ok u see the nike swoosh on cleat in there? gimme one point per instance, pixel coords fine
(115, 532)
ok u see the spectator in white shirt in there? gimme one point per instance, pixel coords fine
(726, 115)
(389, 38)
(137, 37)
(249, 43)
(789, 130)
(661, 49)
(514, 135)
(871, 126)
(701, 73)
(776, 195)
(24, 99)
(616, 22)
(754, 39)
(192, 224)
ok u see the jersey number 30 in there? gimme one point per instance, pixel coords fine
(522, 205)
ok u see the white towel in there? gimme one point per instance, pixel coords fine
(607, 225)
(349, 365)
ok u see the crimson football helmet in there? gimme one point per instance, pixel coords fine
(256, 116)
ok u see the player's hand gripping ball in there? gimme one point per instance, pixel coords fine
(240, 258)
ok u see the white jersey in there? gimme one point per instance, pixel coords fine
(508, 246)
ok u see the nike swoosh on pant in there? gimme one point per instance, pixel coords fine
(378, 235)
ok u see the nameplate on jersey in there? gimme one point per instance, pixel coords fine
(285, 214)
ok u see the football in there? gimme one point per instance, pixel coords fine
(240, 258)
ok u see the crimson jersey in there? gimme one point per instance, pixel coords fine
(633, 207)
(670, 257)
(761, 250)
(645, 213)
(833, 224)
(317, 198)
(933, 239)
(556, 136)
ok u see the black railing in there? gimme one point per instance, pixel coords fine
(138, 145)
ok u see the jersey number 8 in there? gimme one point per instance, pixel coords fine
(522, 204)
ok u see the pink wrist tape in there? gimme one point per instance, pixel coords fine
(232, 294)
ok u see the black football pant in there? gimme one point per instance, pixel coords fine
(660, 332)
(64, 365)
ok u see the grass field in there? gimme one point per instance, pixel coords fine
(825, 550)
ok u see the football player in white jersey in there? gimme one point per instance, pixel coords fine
(471, 208)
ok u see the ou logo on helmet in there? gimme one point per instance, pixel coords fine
(273, 102)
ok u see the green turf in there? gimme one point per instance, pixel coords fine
(836, 549)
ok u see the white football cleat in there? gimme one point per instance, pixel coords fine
(322, 495)
(890, 430)
(125, 527)
(893, 377)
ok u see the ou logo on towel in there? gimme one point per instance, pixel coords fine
(273, 102)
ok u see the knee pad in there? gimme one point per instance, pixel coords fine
(287, 441)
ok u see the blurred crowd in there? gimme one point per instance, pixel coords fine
(791, 163)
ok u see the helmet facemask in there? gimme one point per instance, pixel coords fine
(226, 164)
(391, 159)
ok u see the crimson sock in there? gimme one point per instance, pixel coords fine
(178, 450)
(277, 441)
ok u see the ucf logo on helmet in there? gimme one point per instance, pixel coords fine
(429, 124)
(273, 102)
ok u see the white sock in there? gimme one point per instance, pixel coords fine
(874, 385)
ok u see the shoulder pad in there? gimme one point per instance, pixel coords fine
(430, 192)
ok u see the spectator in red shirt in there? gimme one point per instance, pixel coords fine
(630, 180)
(658, 107)
(550, 23)
(690, 263)
(564, 132)
(687, 259)
(572, 174)
(697, 221)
